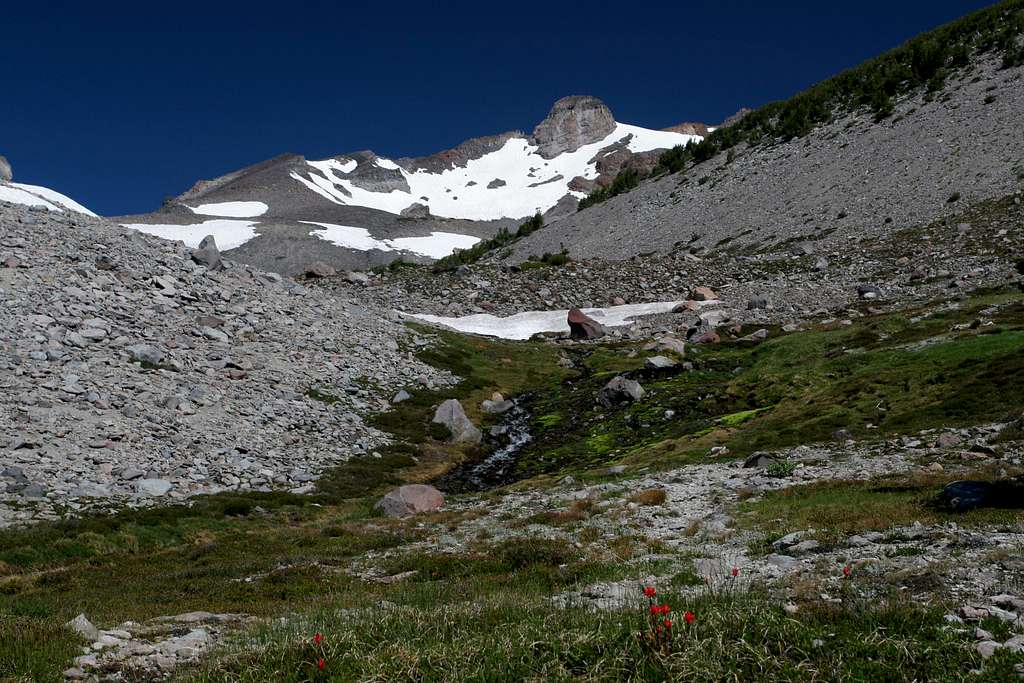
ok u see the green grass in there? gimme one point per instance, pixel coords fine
(484, 634)
(839, 509)
(893, 373)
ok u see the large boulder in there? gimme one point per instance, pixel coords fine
(620, 390)
(410, 500)
(582, 326)
(703, 294)
(451, 415)
(319, 269)
(6, 174)
(208, 254)
(962, 496)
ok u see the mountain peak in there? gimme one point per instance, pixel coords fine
(573, 122)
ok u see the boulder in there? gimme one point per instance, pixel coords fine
(415, 210)
(208, 254)
(670, 344)
(965, 495)
(145, 353)
(356, 278)
(451, 415)
(81, 625)
(621, 389)
(868, 292)
(703, 294)
(6, 174)
(410, 500)
(659, 363)
(496, 407)
(757, 302)
(319, 269)
(402, 395)
(152, 487)
(582, 326)
(759, 459)
(821, 265)
(755, 337)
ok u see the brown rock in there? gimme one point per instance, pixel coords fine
(709, 337)
(410, 500)
(582, 326)
(703, 294)
(319, 269)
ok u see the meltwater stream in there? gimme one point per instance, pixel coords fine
(495, 469)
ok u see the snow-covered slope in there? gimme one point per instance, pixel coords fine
(359, 210)
(36, 195)
(512, 182)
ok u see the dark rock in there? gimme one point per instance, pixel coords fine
(757, 302)
(962, 496)
(497, 182)
(582, 326)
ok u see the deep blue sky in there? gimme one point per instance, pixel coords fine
(119, 104)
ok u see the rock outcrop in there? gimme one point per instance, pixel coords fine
(6, 174)
(410, 500)
(572, 123)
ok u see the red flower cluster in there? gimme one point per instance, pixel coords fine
(650, 592)
(660, 609)
(690, 617)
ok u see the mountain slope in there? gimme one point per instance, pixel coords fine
(360, 209)
(796, 171)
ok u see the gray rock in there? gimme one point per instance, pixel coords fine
(145, 353)
(83, 627)
(153, 487)
(620, 389)
(6, 174)
(208, 254)
(319, 269)
(659, 363)
(451, 415)
(410, 500)
(572, 123)
(401, 396)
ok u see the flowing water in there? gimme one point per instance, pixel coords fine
(497, 468)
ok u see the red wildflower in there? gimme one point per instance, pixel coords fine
(665, 609)
(735, 572)
(650, 592)
(689, 617)
(655, 609)
(318, 638)
(320, 663)
(668, 623)
(846, 570)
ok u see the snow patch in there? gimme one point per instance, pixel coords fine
(228, 233)
(36, 195)
(436, 245)
(231, 209)
(524, 325)
(462, 192)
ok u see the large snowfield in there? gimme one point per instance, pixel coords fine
(524, 325)
(532, 184)
(36, 195)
